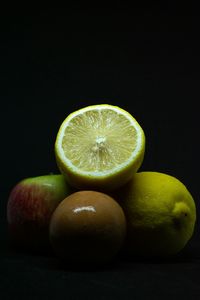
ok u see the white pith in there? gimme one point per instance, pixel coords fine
(100, 141)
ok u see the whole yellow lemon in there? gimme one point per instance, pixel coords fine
(160, 214)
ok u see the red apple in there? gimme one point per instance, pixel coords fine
(30, 206)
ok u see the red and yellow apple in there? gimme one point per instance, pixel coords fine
(30, 206)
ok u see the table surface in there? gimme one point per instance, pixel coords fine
(43, 276)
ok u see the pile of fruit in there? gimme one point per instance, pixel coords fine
(100, 206)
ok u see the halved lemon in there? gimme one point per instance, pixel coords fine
(99, 147)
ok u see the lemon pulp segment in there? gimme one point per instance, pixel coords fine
(99, 140)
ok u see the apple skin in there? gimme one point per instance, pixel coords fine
(29, 208)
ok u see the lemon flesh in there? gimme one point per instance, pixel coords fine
(99, 146)
(160, 213)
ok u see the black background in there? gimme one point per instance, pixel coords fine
(53, 61)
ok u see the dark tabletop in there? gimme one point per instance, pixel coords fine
(45, 277)
(54, 61)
